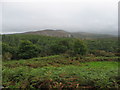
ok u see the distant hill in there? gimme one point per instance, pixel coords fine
(85, 35)
(62, 33)
(54, 33)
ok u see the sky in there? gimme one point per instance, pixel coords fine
(95, 16)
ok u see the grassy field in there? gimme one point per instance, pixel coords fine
(61, 72)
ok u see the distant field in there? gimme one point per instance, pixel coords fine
(61, 72)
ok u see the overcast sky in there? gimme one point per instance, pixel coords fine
(98, 16)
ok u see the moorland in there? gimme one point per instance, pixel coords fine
(40, 61)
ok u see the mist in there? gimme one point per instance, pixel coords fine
(95, 16)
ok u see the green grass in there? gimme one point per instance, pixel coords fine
(60, 72)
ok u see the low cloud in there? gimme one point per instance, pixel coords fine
(84, 16)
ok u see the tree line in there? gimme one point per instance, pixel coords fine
(23, 46)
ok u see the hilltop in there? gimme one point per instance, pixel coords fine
(49, 32)
(62, 33)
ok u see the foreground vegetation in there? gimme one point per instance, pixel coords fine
(56, 72)
(34, 61)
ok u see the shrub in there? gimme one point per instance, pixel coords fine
(102, 53)
(80, 47)
(7, 56)
(5, 48)
(69, 53)
(27, 50)
(59, 47)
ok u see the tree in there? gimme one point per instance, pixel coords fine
(27, 50)
(57, 49)
(80, 47)
(5, 48)
(6, 51)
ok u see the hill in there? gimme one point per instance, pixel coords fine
(54, 33)
(85, 35)
(62, 33)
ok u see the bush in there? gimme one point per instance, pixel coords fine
(57, 49)
(69, 53)
(27, 50)
(102, 53)
(7, 56)
(5, 48)
(60, 47)
(80, 48)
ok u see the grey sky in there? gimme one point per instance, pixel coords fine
(99, 16)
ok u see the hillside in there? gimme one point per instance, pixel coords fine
(62, 33)
(85, 35)
(54, 33)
